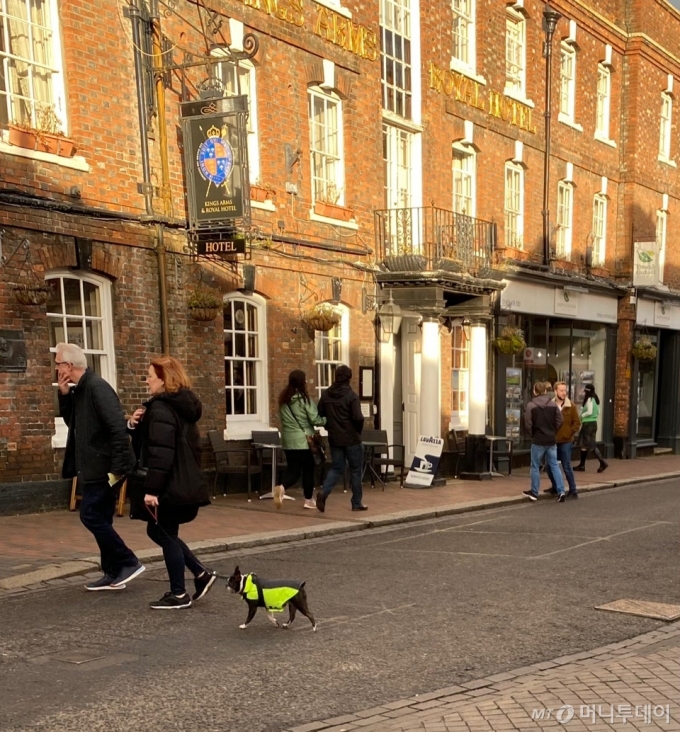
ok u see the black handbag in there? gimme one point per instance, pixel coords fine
(136, 490)
(314, 442)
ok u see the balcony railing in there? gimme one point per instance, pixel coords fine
(430, 238)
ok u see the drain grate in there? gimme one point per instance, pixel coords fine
(77, 657)
(657, 610)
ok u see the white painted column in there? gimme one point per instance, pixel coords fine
(430, 380)
(387, 376)
(478, 379)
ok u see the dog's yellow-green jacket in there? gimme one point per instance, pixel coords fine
(271, 594)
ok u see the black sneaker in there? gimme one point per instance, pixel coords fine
(529, 495)
(320, 501)
(603, 466)
(127, 574)
(171, 602)
(573, 494)
(103, 583)
(550, 490)
(580, 468)
(203, 584)
(560, 498)
(360, 508)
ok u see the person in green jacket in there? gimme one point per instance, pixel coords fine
(298, 417)
(590, 411)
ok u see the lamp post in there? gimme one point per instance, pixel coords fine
(390, 318)
(550, 18)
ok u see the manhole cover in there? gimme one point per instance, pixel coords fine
(657, 610)
(77, 657)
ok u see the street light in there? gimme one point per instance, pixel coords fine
(550, 18)
(390, 319)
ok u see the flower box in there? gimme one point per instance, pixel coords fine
(333, 211)
(261, 193)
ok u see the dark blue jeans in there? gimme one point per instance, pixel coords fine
(97, 509)
(564, 457)
(354, 455)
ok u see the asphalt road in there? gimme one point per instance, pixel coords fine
(401, 611)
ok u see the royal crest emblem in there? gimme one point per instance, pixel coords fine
(215, 158)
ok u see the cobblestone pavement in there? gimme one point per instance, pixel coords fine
(630, 685)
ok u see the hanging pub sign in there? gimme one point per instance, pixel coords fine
(216, 162)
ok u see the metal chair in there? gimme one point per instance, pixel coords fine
(457, 444)
(382, 457)
(242, 460)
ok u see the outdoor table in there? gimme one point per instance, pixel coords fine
(273, 448)
(492, 439)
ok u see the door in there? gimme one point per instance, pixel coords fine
(410, 384)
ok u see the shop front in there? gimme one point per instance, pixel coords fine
(570, 335)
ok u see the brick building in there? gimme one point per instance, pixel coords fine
(395, 149)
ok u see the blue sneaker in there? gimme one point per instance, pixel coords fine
(127, 574)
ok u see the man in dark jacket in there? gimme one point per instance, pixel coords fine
(543, 419)
(340, 405)
(98, 451)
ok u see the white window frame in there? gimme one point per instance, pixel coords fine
(56, 70)
(603, 106)
(107, 352)
(463, 26)
(247, 68)
(330, 364)
(599, 229)
(567, 84)
(459, 419)
(332, 187)
(661, 239)
(565, 220)
(241, 426)
(396, 17)
(515, 54)
(665, 127)
(514, 205)
(464, 170)
(398, 156)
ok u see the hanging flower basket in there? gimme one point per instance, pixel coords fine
(322, 317)
(644, 350)
(511, 341)
(31, 294)
(204, 304)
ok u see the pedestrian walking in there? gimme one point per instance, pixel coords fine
(590, 412)
(165, 437)
(98, 452)
(341, 408)
(298, 416)
(543, 420)
(564, 438)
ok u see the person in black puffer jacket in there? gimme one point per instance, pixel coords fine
(165, 438)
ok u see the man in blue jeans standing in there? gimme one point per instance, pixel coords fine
(340, 405)
(543, 420)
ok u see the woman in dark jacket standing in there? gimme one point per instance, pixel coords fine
(165, 437)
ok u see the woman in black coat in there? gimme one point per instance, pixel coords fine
(165, 437)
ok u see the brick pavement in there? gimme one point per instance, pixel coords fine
(629, 685)
(56, 545)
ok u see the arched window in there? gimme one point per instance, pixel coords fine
(330, 350)
(245, 364)
(79, 311)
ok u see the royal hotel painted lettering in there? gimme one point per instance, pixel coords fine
(470, 92)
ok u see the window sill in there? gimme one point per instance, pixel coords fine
(244, 430)
(334, 222)
(77, 162)
(666, 161)
(561, 117)
(465, 70)
(604, 140)
(397, 121)
(336, 8)
(263, 205)
(519, 98)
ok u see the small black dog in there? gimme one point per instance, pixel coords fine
(271, 594)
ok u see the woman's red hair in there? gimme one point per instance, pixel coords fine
(171, 371)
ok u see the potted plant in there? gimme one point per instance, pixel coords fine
(326, 204)
(204, 304)
(510, 341)
(47, 135)
(643, 349)
(261, 192)
(323, 317)
(33, 294)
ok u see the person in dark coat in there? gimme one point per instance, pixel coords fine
(165, 437)
(98, 452)
(341, 407)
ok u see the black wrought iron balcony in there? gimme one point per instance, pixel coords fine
(430, 238)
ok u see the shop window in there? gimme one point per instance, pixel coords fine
(665, 126)
(604, 92)
(31, 74)
(646, 389)
(245, 371)
(463, 34)
(331, 349)
(661, 232)
(565, 214)
(396, 57)
(326, 147)
(515, 54)
(567, 83)
(514, 205)
(79, 311)
(599, 229)
(239, 80)
(464, 173)
(460, 375)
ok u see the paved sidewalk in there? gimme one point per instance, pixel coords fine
(630, 685)
(36, 548)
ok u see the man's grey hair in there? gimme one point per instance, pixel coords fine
(72, 354)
